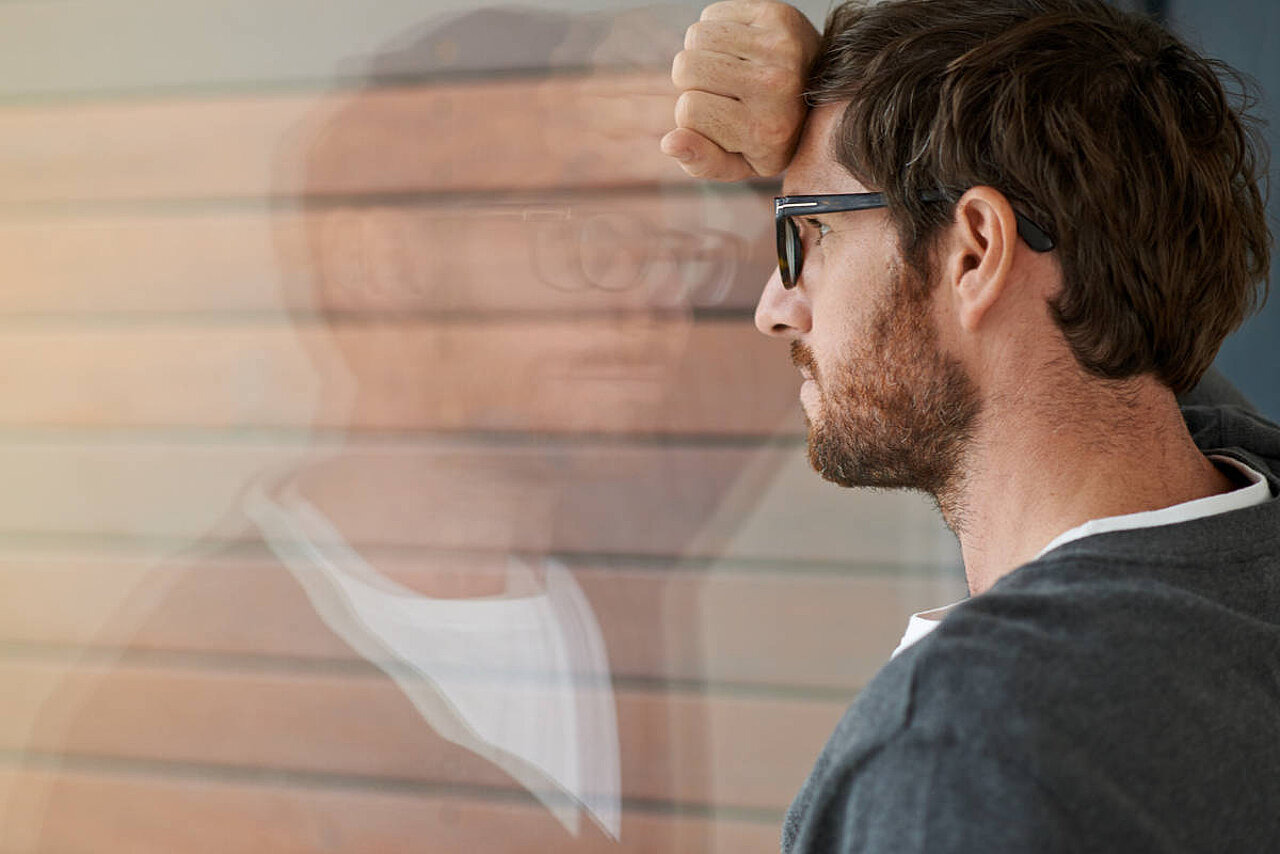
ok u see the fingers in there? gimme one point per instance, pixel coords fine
(724, 120)
(702, 158)
(765, 87)
(719, 36)
(732, 38)
(717, 73)
(741, 77)
(742, 106)
(764, 138)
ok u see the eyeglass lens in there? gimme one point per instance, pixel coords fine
(793, 256)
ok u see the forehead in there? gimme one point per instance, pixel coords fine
(814, 169)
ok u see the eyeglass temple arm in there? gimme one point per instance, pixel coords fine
(1033, 235)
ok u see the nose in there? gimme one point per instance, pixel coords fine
(781, 312)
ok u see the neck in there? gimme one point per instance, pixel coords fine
(1033, 472)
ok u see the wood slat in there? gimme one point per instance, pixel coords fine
(785, 628)
(98, 812)
(680, 747)
(761, 503)
(615, 374)
(57, 48)
(707, 250)
(474, 137)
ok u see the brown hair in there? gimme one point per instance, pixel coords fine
(1101, 126)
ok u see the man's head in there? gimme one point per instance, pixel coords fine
(1099, 126)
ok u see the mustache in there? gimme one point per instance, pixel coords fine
(802, 358)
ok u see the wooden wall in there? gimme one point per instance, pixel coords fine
(429, 272)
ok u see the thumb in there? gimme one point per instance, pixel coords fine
(702, 158)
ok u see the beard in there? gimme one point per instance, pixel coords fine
(895, 411)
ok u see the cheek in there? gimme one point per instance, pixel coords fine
(840, 319)
(859, 277)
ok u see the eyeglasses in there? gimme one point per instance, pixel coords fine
(599, 257)
(618, 251)
(790, 250)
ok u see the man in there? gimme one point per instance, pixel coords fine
(1069, 225)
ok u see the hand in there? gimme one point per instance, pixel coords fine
(741, 74)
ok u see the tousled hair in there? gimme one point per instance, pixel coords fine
(1099, 125)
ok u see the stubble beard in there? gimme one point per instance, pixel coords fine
(895, 412)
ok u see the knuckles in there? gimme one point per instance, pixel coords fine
(696, 36)
(691, 69)
(771, 13)
(784, 49)
(687, 109)
(779, 82)
(782, 18)
(773, 132)
(681, 74)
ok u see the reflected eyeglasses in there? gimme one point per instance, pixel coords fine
(790, 250)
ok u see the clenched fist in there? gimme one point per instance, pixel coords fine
(741, 77)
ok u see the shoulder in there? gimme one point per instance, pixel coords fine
(1071, 646)
(918, 756)
(1068, 698)
(938, 754)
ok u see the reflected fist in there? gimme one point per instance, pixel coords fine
(741, 78)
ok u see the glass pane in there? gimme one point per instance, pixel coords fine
(393, 463)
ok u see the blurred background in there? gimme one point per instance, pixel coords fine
(391, 461)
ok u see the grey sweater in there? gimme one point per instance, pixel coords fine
(1120, 693)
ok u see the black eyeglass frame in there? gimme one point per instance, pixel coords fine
(791, 250)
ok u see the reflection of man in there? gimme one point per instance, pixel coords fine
(548, 317)
(1070, 224)
(555, 313)
(458, 554)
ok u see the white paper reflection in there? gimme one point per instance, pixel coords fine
(522, 680)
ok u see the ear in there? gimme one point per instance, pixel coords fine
(979, 253)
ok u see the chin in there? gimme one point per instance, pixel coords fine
(862, 456)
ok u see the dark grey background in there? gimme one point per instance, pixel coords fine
(1244, 34)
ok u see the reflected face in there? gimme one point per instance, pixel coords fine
(509, 311)
(608, 373)
(886, 405)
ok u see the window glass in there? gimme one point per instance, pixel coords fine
(392, 463)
